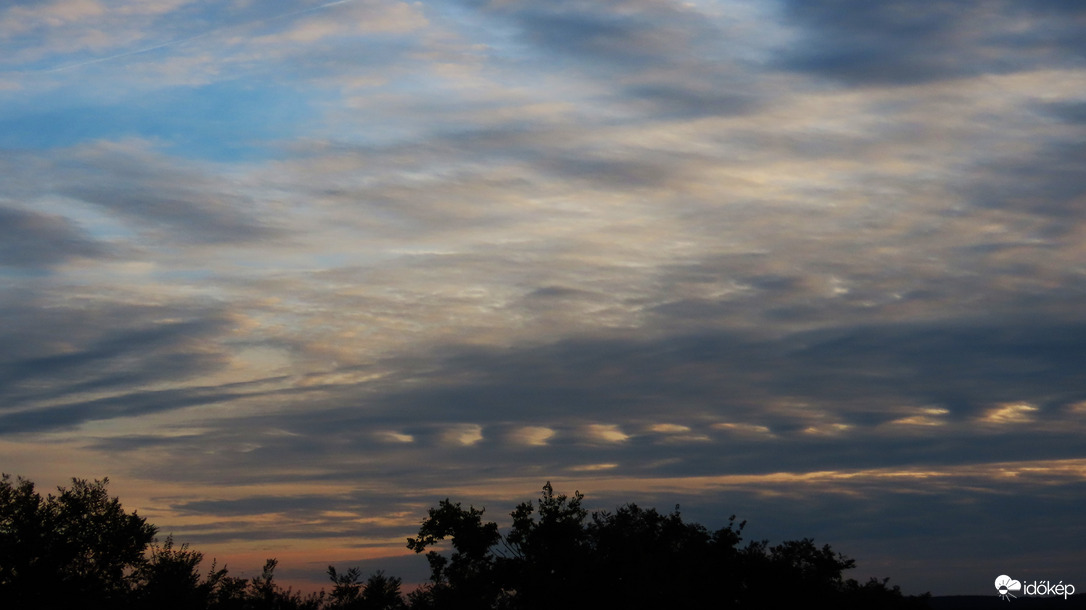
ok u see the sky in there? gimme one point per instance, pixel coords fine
(290, 272)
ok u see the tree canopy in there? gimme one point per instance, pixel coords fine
(70, 548)
(80, 549)
(631, 558)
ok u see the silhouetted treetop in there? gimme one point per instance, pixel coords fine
(631, 558)
(80, 549)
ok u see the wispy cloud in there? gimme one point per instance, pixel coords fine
(294, 270)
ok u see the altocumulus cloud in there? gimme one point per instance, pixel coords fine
(815, 263)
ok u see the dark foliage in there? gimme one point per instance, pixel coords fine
(468, 578)
(80, 549)
(75, 549)
(379, 592)
(170, 579)
(632, 558)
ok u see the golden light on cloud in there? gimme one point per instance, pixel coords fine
(669, 428)
(396, 437)
(465, 435)
(745, 429)
(607, 433)
(593, 467)
(536, 436)
(1036, 472)
(826, 429)
(925, 417)
(676, 433)
(1010, 413)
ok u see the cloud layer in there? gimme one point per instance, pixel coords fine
(291, 272)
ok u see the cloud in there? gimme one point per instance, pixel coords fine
(397, 437)
(1010, 414)
(535, 436)
(30, 239)
(889, 43)
(54, 13)
(803, 384)
(669, 428)
(156, 194)
(301, 269)
(463, 434)
(48, 30)
(592, 467)
(667, 59)
(83, 361)
(1038, 182)
(607, 433)
(1072, 112)
(931, 416)
(368, 18)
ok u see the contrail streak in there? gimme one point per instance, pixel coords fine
(98, 60)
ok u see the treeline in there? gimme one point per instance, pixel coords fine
(79, 549)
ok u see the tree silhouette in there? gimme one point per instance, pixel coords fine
(632, 559)
(75, 549)
(347, 592)
(170, 579)
(549, 549)
(379, 592)
(22, 541)
(265, 594)
(645, 559)
(80, 549)
(469, 575)
(382, 593)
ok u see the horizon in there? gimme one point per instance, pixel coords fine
(290, 272)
